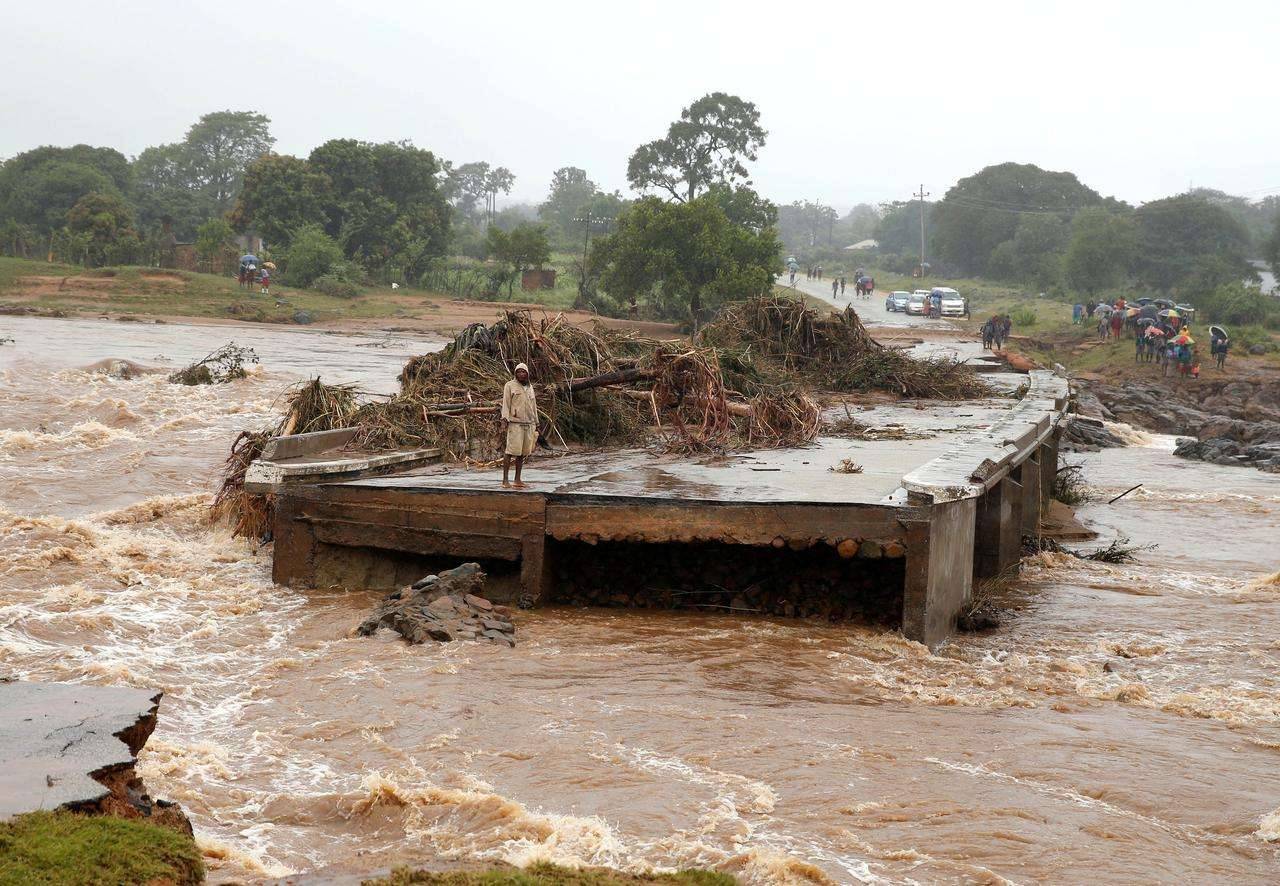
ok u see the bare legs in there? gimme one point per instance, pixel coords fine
(506, 468)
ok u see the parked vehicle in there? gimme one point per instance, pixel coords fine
(918, 303)
(952, 302)
(897, 300)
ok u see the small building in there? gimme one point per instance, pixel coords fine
(538, 278)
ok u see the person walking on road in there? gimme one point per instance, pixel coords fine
(842, 284)
(835, 288)
(519, 421)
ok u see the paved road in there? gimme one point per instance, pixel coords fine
(883, 322)
(871, 310)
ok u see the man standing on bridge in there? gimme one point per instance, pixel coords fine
(519, 421)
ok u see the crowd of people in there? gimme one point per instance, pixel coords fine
(1161, 334)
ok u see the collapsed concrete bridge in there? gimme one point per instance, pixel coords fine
(939, 505)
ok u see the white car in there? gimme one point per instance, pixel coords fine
(952, 302)
(918, 302)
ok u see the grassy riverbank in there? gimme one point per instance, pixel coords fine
(167, 293)
(65, 849)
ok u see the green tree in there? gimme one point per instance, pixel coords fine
(806, 224)
(219, 148)
(281, 195)
(1034, 254)
(898, 231)
(384, 203)
(1271, 247)
(685, 257)
(524, 247)
(707, 146)
(1187, 242)
(199, 177)
(474, 185)
(571, 195)
(164, 189)
(982, 211)
(40, 193)
(213, 238)
(107, 221)
(1101, 252)
(311, 255)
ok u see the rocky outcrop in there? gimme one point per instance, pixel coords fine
(1237, 420)
(74, 746)
(1087, 434)
(444, 607)
(1223, 451)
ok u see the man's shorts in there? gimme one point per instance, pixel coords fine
(521, 438)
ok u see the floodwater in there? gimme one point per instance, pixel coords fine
(1123, 726)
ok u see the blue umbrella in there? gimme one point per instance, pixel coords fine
(245, 259)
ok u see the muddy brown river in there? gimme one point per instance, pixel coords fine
(1123, 726)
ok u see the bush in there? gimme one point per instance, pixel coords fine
(312, 255)
(1240, 305)
(335, 285)
(1023, 318)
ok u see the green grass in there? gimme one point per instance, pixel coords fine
(543, 874)
(55, 848)
(149, 291)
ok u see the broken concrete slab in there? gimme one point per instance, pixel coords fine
(55, 737)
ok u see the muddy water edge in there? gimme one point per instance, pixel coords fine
(1123, 725)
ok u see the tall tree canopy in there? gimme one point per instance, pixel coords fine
(685, 257)
(1101, 252)
(39, 187)
(281, 195)
(984, 210)
(1189, 243)
(219, 147)
(707, 146)
(898, 231)
(199, 178)
(473, 188)
(105, 222)
(571, 194)
(380, 202)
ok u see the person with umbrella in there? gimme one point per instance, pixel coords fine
(1184, 344)
(1155, 343)
(1219, 342)
(1103, 313)
(248, 268)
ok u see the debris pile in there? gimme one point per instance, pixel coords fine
(746, 382)
(773, 339)
(223, 365)
(443, 608)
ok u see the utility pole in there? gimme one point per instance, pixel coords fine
(587, 219)
(921, 195)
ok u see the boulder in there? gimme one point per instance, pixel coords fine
(443, 607)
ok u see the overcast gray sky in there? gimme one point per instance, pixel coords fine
(863, 101)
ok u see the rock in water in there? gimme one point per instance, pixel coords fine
(443, 608)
